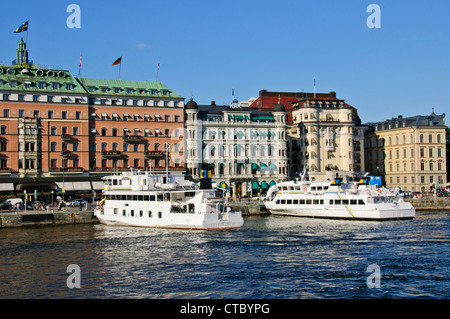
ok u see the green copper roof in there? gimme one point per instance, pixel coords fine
(28, 79)
(127, 88)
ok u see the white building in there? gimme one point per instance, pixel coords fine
(246, 147)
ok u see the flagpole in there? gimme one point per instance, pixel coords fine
(79, 66)
(120, 66)
(157, 71)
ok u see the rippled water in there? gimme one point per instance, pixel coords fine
(270, 257)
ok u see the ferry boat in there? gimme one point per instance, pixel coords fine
(141, 199)
(337, 199)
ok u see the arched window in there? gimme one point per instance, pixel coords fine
(439, 138)
(430, 138)
(421, 138)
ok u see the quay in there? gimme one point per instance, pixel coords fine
(46, 218)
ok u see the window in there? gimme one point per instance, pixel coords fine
(64, 115)
(21, 113)
(5, 97)
(430, 138)
(50, 114)
(103, 131)
(49, 98)
(5, 112)
(78, 115)
(159, 214)
(3, 129)
(53, 130)
(74, 130)
(166, 118)
(35, 98)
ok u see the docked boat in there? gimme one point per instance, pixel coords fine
(141, 199)
(337, 199)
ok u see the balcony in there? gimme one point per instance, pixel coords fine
(154, 154)
(66, 153)
(132, 138)
(111, 154)
(66, 137)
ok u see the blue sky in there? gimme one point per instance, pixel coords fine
(208, 47)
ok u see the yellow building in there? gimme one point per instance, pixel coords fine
(327, 135)
(408, 152)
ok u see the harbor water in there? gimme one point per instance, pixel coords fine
(270, 257)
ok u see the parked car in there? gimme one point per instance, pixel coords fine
(418, 195)
(77, 202)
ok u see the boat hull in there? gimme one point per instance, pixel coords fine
(348, 213)
(177, 222)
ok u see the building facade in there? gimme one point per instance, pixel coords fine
(408, 152)
(60, 131)
(246, 147)
(326, 134)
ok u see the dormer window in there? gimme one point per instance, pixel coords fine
(91, 89)
(55, 86)
(104, 89)
(69, 86)
(13, 84)
(129, 91)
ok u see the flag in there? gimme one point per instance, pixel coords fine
(118, 61)
(158, 64)
(22, 28)
(81, 56)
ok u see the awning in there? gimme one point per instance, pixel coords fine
(6, 187)
(272, 183)
(75, 186)
(255, 185)
(263, 165)
(97, 185)
(272, 166)
(254, 166)
(223, 185)
(264, 184)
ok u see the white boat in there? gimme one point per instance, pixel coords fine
(337, 199)
(163, 201)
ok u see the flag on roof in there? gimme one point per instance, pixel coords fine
(22, 28)
(118, 61)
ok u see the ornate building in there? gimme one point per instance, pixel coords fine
(408, 152)
(58, 130)
(246, 147)
(326, 134)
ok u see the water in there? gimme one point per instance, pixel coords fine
(270, 257)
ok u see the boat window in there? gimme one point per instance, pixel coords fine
(159, 214)
(150, 214)
(285, 188)
(325, 188)
(152, 198)
(302, 202)
(337, 202)
(313, 188)
(129, 197)
(361, 202)
(279, 188)
(331, 202)
(114, 181)
(345, 201)
(278, 201)
(191, 208)
(283, 201)
(319, 188)
(321, 202)
(308, 202)
(316, 202)
(160, 197)
(124, 212)
(141, 213)
(289, 202)
(353, 202)
(295, 201)
(146, 198)
(135, 197)
(116, 211)
(141, 197)
(297, 188)
(132, 213)
(291, 188)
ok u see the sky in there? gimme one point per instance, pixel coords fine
(207, 47)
